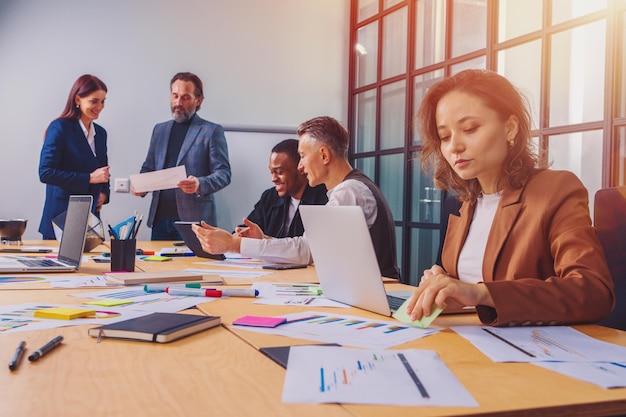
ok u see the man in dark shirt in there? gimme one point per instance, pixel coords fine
(197, 144)
(277, 211)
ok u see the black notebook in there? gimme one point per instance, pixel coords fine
(157, 327)
(280, 354)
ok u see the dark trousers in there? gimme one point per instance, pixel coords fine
(163, 229)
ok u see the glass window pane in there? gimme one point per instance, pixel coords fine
(389, 3)
(476, 63)
(394, 43)
(423, 255)
(367, 9)
(366, 54)
(518, 17)
(392, 182)
(577, 75)
(367, 165)
(622, 75)
(621, 158)
(365, 121)
(425, 198)
(469, 26)
(392, 115)
(527, 77)
(580, 153)
(421, 84)
(563, 10)
(430, 35)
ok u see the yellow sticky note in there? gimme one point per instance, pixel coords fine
(64, 313)
(401, 315)
(157, 258)
(108, 302)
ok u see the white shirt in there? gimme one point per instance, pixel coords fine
(90, 135)
(470, 266)
(296, 249)
(293, 206)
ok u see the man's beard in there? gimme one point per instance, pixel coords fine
(181, 117)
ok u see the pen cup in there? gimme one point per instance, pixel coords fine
(123, 255)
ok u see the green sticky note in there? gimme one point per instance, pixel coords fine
(108, 302)
(401, 315)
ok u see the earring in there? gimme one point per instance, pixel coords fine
(511, 142)
(77, 106)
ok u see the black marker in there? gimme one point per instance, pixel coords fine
(46, 348)
(17, 356)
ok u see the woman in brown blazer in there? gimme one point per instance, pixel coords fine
(523, 250)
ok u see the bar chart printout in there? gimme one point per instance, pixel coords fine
(390, 377)
(539, 344)
(346, 330)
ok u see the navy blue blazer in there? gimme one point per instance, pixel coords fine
(64, 166)
(204, 154)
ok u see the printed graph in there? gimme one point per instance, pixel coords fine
(332, 379)
(348, 330)
(547, 345)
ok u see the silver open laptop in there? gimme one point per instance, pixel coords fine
(344, 258)
(70, 249)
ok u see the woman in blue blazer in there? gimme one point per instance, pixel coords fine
(74, 154)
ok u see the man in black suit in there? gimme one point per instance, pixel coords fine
(276, 212)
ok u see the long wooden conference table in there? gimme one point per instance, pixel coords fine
(220, 372)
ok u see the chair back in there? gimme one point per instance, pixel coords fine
(610, 221)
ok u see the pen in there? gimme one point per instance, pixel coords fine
(242, 229)
(164, 287)
(233, 292)
(17, 356)
(136, 228)
(240, 292)
(45, 348)
(112, 233)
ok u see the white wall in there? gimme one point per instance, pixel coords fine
(269, 63)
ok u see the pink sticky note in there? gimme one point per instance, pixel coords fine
(259, 321)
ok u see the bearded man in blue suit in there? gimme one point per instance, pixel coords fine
(197, 144)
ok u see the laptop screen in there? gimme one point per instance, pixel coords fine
(75, 229)
(344, 256)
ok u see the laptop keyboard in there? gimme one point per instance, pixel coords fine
(395, 302)
(39, 262)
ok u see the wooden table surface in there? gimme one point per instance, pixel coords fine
(220, 371)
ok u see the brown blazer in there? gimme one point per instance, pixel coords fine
(543, 262)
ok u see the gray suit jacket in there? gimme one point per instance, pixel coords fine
(204, 154)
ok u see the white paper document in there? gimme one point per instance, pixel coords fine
(386, 377)
(155, 302)
(293, 294)
(538, 344)
(354, 331)
(78, 281)
(227, 273)
(604, 374)
(241, 263)
(158, 180)
(20, 317)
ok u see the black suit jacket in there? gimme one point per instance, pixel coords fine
(270, 212)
